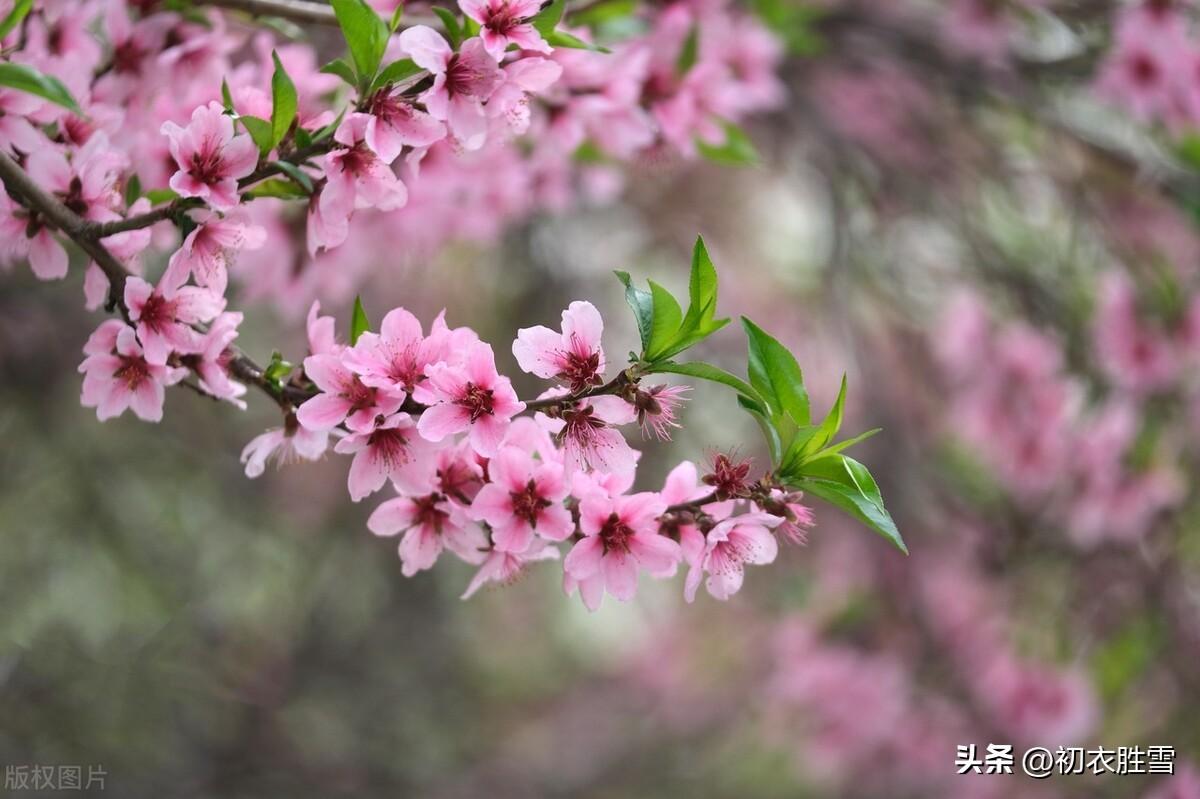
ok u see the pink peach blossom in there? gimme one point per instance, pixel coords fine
(211, 159)
(390, 450)
(209, 249)
(471, 398)
(574, 357)
(506, 22)
(117, 375)
(430, 524)
(523, 499)
(620, 536)
(730, 545)
(463, 81)
(343, 397)
(166, 315)
(506, 567)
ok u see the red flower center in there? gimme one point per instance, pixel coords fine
(501, 19)
(615, 534)
(391, 444)
(1145, 70)
(579, 371)
(207, 166)
(462, 77)
(157, 313)
(132, 372)
(429, 514)
(477, 400)
(528, 504)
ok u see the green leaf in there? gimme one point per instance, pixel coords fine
(296, 174)
(397, 15)
(850, 442)
(548, 18)
(342, 69)
(281, 189)
(327, 131)
(603, 12)
(737, 149)
(454, 32)
(690, 52)
(774, 372)
(702, 288)
(564, 39)
(226, 97)
(133, 189)
(643, 307)
(394, 72)
(366, 35)
(358, 321)
(278, 369)
(284, 102)
(811, 440)
(20, 10)
(260, 130)
(846, 483)
(769, 432)
(27, 79)
(664, 326)
(160, 196)
(706, 371)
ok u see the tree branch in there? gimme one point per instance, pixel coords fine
(24, 190)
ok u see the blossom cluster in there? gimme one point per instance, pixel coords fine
(430, 416)
(1092, 465)
(1150, 70)
(193, 115)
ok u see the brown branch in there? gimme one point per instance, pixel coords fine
(614, 386)
(295, 10)
(303, 12)
(24, 190)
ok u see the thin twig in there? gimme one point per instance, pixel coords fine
(24, 190)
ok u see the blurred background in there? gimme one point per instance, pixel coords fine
(959, 205)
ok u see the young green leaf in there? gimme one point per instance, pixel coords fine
(737, 149)
(811, 440)
(278, 369)
(27, 79)
(160, 196)
(366, 35)
(296, 174)
(284, 102)
(259, 130)
(133, 189)
(280, 189)
(603, 12)
(454, 32)
(702, 294)
(643, 307)
(570, 41)
(19, 11)
(768, 429)
(226, 97)
(706, 371)
(774, 372)
(358, 321)
(343, 70)
(548, 18)
(690, 51)
(664, 327)
(397, 15)
(846, 483)
(849, 442)
(394, 72)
